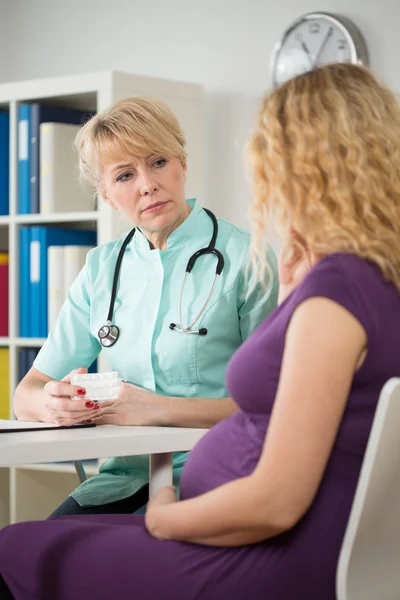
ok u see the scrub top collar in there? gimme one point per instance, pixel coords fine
(185, 232)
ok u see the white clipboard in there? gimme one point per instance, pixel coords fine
(15, 426)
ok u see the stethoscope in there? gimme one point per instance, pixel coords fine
(109, 333)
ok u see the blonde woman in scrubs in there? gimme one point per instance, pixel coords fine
(134, 155)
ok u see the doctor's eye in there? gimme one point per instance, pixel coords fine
(160, 162)
(124, 177)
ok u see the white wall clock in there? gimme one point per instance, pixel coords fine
(313, 40)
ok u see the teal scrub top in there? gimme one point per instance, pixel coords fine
(148, 353)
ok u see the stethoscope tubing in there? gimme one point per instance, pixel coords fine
(108, 334)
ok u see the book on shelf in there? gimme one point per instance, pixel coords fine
(60, 189)
(3, 294)
(4, 162)
(64, 265)
(30, 117)
(34, 243)
(4, 384)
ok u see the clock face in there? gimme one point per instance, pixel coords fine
(313, 41)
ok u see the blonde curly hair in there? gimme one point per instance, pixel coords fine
(325, 160)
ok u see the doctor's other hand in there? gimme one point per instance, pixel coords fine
(61, 409)
(134, 406)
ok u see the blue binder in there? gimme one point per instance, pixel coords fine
(24, 138)
(93, 367)
(24, 281)
(41, 113)
(22, 363)
(41, 239)
(27, 356)
(31, 355)
(4, 162)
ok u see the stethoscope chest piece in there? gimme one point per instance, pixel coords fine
(108, 334)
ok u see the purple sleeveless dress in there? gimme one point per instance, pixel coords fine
(113, 556)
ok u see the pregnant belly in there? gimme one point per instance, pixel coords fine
(230, 450)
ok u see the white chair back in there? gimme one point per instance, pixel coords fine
(369, 562)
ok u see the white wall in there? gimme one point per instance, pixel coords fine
(3, 41)
(223, 44)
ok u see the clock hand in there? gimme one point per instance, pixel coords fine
(306, 50)
(322, 47)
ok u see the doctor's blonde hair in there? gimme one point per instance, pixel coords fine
(138, 126)
(325, 159)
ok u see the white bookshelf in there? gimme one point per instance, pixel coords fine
(33, 491)
(37, 219)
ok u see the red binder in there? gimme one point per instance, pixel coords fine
(3, 294)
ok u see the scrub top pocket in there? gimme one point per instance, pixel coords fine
(175, 353)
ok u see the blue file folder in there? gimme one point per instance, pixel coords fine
(24, 143)
(4, 162)
(41, 239)
(24, 281)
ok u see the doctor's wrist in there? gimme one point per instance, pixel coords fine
(140, 406)
(175, 411)
(161, 413)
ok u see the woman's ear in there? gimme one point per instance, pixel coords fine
(297, 238)
(293, 254)
(289, 258)
(184, 168)
(104, 196)
(102, 191)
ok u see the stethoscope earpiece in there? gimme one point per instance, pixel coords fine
(202, 331)
(109, 333)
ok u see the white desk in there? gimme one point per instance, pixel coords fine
(98, 442)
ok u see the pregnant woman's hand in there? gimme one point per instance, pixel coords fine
(166, 495)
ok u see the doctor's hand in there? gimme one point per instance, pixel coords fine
(61, 409)
(134, 406)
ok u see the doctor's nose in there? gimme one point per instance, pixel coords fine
(147, 185)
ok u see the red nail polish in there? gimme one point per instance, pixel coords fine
(89, 404)
(96, 406)
(81, 392)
